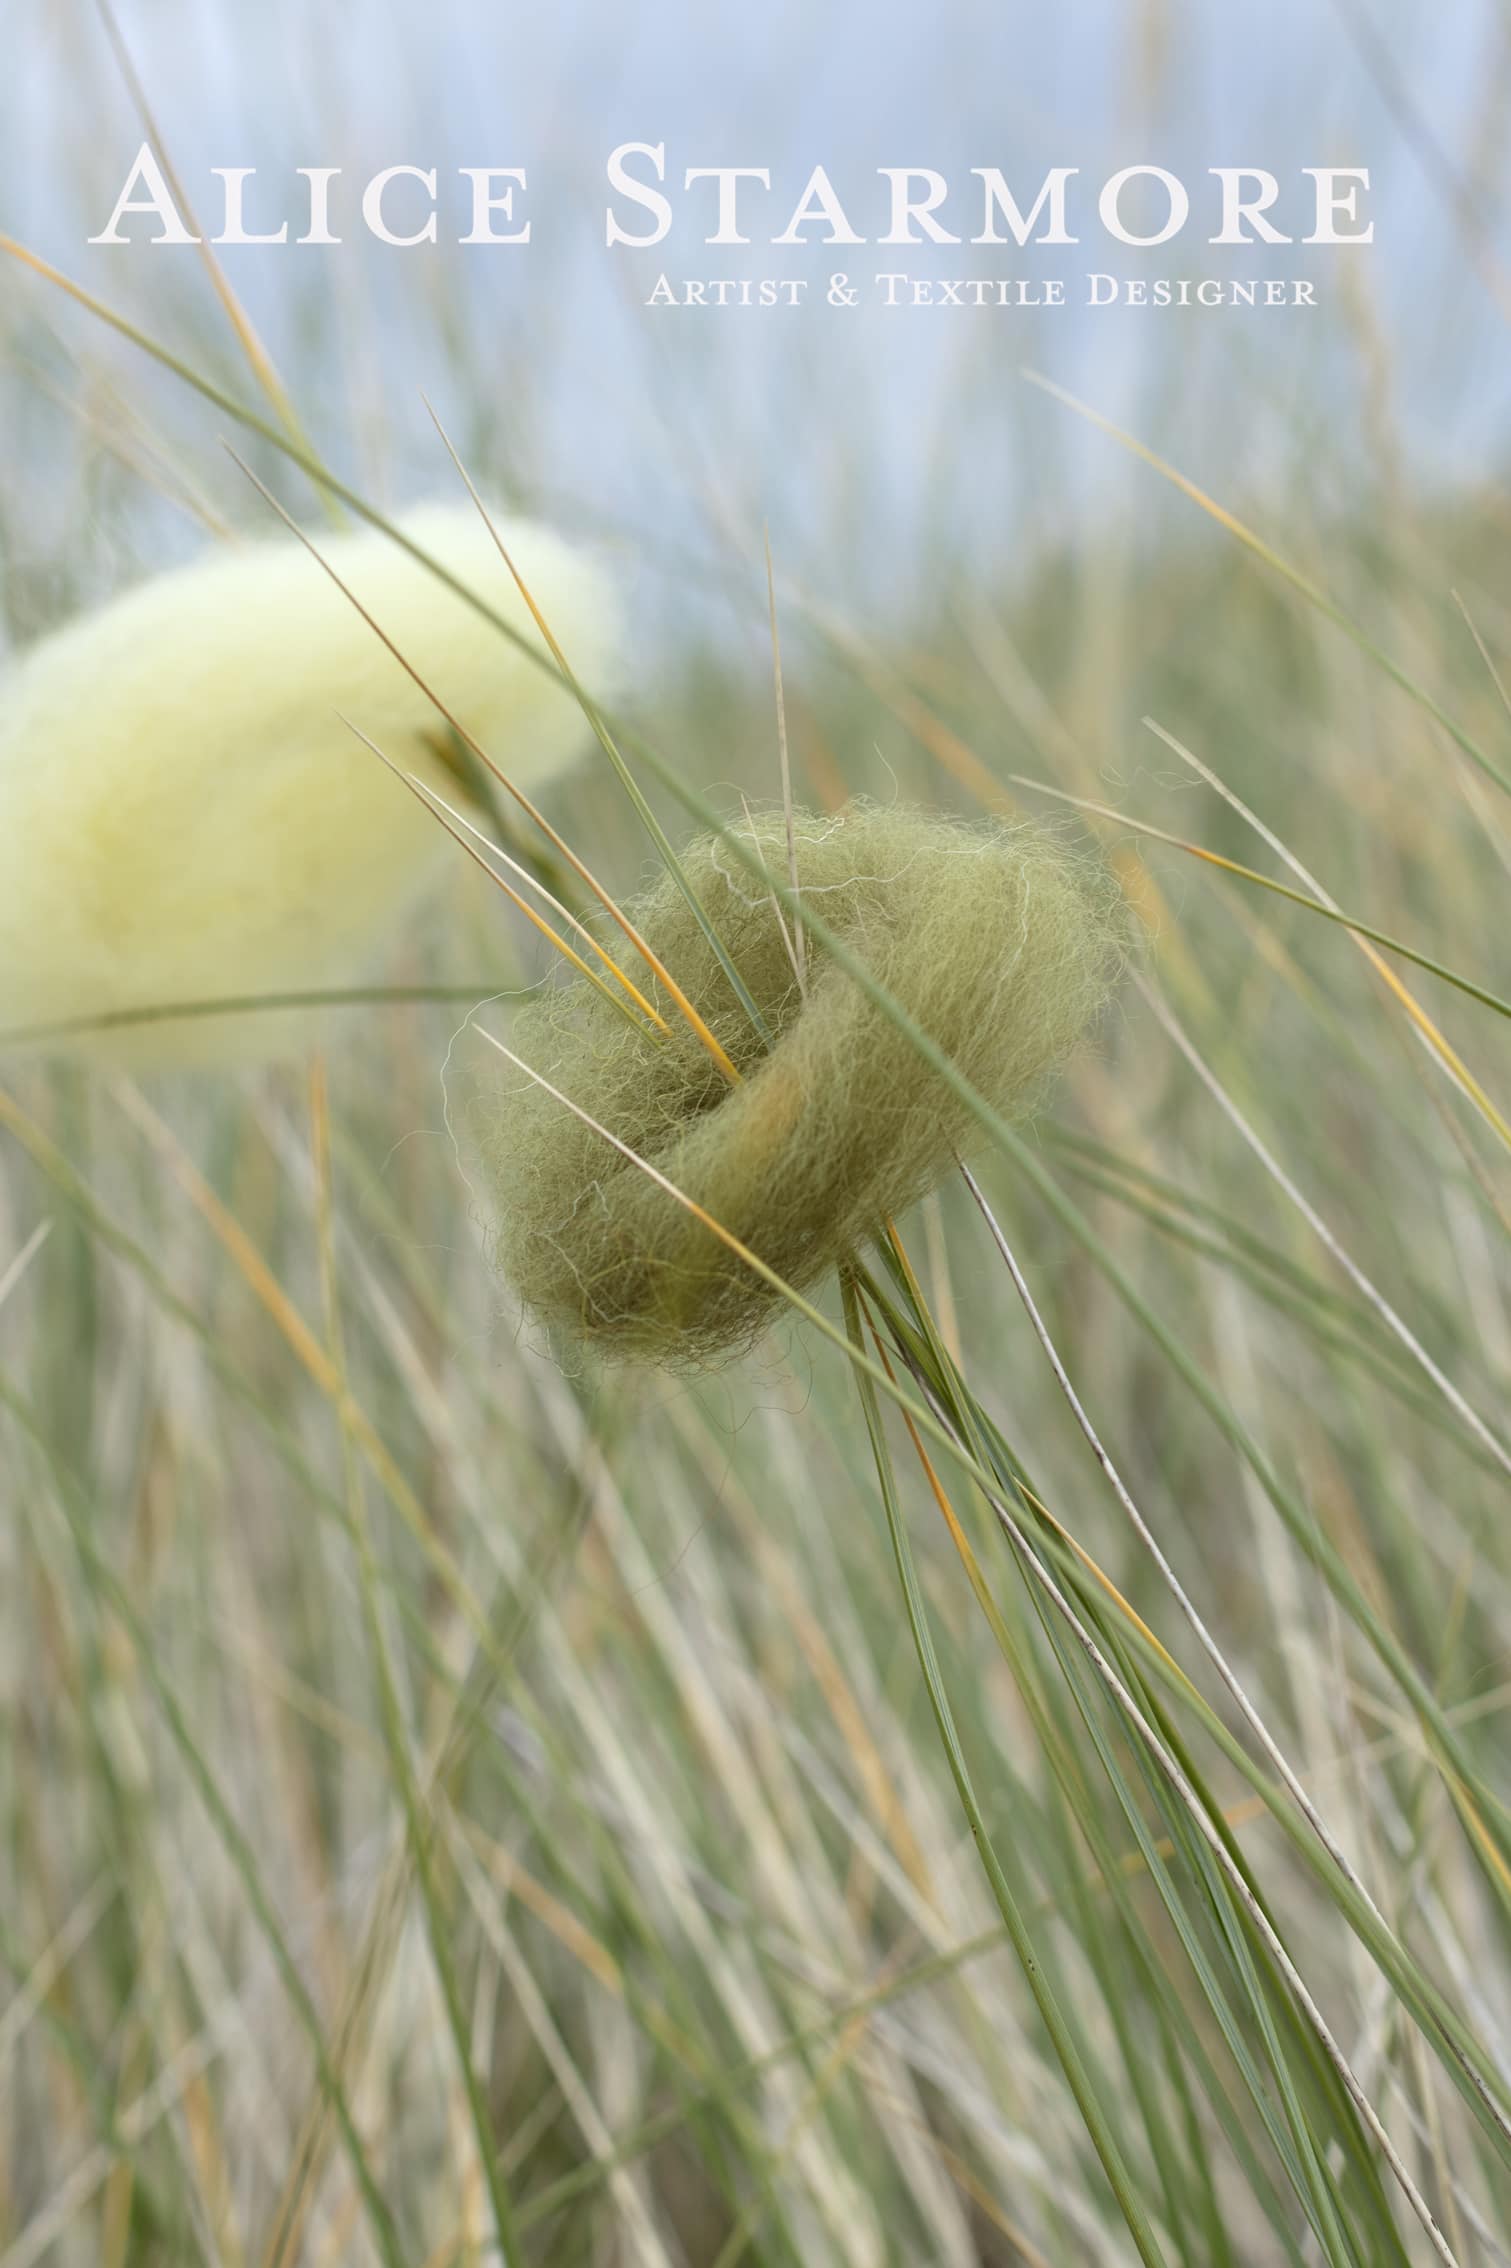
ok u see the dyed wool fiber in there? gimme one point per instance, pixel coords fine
(1002, 945)
(183, 814)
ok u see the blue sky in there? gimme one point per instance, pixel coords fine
(904, 421)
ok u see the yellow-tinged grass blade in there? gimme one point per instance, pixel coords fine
(600, 729)
(1241, 873)
(441, 811)
(662, 974)
(1452, 1061)
(1272, 559)
(259, 361)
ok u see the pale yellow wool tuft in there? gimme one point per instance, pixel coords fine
(183, 815)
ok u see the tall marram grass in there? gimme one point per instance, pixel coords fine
(1012, 1772)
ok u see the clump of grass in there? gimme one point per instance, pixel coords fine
(998, 941)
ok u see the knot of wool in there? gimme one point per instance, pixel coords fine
(999, 942)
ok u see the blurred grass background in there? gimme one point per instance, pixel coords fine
(689, 1958)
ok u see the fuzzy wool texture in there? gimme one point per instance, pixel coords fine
(184, 816)
(1003, 945)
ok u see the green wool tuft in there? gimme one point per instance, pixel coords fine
(998, 940)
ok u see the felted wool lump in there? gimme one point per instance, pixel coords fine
(998, 940)
(183, 814)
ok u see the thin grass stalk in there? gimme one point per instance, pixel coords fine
(238, 1848)
(1113, 2163)
(419, 1828)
